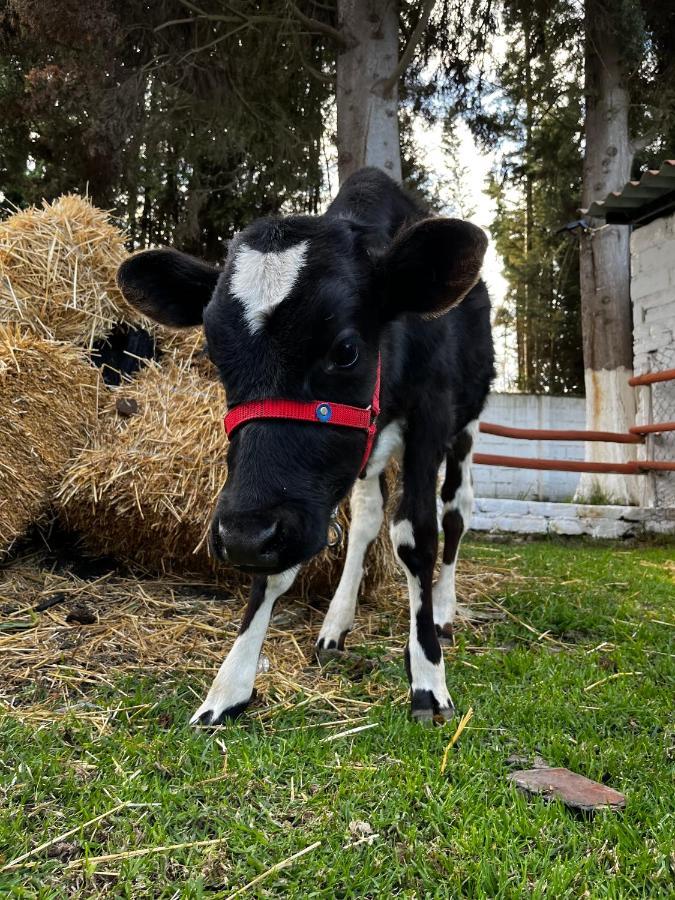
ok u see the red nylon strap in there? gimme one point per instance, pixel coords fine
(320, 412)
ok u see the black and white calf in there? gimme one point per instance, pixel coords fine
(304, 309)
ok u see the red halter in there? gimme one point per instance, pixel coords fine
(318, 411)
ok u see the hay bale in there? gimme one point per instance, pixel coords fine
(49, 399)
(186, 346)
(57, 271)
(145, 489)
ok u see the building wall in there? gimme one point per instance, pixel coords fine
(653, 296)
(530, 411)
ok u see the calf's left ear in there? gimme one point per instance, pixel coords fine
(430, 267)
(170, 287)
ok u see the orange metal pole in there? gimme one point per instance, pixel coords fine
(653, 429)
(543, 434)
(566, 465)
(556, 465)
(653, 377)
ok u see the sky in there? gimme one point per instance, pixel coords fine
(477, 163)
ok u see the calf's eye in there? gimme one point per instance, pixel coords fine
(344, 353)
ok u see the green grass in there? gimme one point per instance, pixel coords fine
(466, 833)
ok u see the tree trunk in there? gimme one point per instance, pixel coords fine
(367, 88)
(605, 261)
(531, 326)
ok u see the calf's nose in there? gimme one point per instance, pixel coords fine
(252, 544)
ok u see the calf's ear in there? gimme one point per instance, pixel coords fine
(430, 267)
(170, 287)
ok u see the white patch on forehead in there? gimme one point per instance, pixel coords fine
(260, 281)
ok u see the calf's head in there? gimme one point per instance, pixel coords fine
(297, 313)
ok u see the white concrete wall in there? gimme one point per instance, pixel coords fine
(536, 517)
(653, 296)
(530, 411)
(507, 499)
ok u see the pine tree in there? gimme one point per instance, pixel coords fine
(535, 190)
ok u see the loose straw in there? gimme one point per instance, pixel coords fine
(610, 678)
(20, 859)
(275, 868)
(463, 722)
(146, 851)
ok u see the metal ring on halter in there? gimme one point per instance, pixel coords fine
(335, 531)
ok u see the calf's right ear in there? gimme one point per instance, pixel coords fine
(170, 287)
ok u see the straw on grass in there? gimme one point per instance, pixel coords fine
(463, 722)
(177, 626)
(14, 863)
(277, 867)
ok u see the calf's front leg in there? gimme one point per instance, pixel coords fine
(232, 688)
(367, 514)
(414, 535)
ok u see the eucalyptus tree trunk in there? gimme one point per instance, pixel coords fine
(605, 261)
(367, 87)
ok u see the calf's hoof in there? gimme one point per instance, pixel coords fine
(445, 634)
(326, 655)
(328, 649)
(426, 710)
(213, 712)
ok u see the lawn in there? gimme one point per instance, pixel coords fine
(578, 668)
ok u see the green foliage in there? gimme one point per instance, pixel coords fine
(538, 122)
(652, 85)
(539, 683)
(186, 119)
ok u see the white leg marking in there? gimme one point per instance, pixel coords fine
(366, 504)
(389, 444)
(401, 533)
(444, 593)
(425, 675)
(233, 684)
(260, 281)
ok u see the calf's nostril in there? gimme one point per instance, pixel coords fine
(217, 541)
(268, 537)
(247, 542)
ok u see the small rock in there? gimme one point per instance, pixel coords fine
(81, 614)
(126, 407)
(64, 851)
(360, 833)
(576, 791)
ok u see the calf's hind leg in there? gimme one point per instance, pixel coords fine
(414, 535)
(457, 497)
